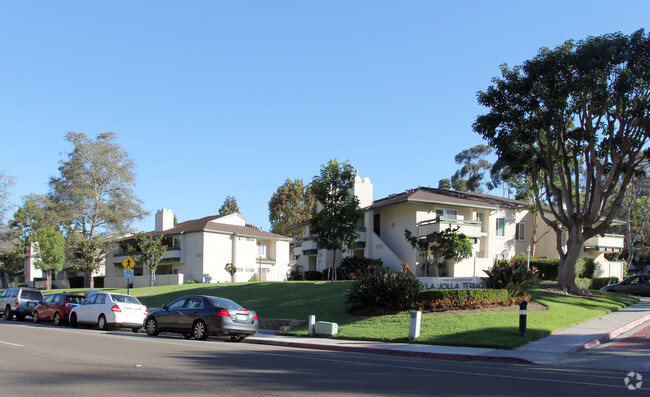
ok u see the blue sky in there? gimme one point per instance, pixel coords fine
(219, 98)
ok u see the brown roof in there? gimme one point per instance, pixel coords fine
(206, 224)
(443, 196)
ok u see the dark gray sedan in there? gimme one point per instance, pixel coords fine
(199, 316)
(635, 285)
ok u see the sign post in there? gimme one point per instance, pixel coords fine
(128, 274)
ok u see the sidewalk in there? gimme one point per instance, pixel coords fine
(562, 348)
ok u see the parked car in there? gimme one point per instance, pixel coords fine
(199, 316)
(19, 302)
(636, 285)
(107, 309)
(56, 308)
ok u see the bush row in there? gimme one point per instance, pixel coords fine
(548, 268)
(595, 283)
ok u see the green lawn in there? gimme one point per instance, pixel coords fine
(297, 300)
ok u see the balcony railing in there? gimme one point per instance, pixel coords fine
(469, 228)
(606, 243)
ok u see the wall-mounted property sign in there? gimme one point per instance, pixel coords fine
(451, 283)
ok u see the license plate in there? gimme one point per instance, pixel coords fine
(31, 304)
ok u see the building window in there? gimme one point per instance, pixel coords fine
(501, 227)
(261, 250)
(376, 221)
(447, 214)
(520, 232)
(480, 217)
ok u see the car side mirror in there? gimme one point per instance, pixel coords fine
(165, 307)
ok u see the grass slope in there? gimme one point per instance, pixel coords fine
(299, 299)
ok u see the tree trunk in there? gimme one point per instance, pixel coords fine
(151, 277)
(90, 282)
(49, 280)
(333, 271)
(3, 278)
(567, 272)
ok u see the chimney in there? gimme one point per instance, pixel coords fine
(164, 220)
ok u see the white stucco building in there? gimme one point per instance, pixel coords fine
(199, 250)
(499, 228)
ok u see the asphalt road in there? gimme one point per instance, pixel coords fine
(59, 361)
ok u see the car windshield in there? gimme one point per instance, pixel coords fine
(75, 299)
(33, 295)
(225, 303)
(125, 299)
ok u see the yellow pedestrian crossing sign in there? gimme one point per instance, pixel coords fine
(128, 263)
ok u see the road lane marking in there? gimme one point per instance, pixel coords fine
(11, 344)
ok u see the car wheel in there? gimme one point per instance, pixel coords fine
(199, 330)
(101, 322)
(187, 335)
(35, 317)
(57, 319)
(73, 320)
(151, 327)
(8, 314)
(237, 338)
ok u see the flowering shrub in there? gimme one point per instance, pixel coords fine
(513, 276)
(352, 268)
(382, 289)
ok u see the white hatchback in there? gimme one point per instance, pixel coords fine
(109, 310)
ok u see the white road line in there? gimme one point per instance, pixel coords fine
(11, 344)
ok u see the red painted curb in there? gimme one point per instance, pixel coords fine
(610, 335)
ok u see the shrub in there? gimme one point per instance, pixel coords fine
(586, 267)
(190, 281)
(583, 283)
(385, 290)
(600, 282)
(294, 274)
(352, 267)
(464, 299)
(325, 274)
(513, 276)
(313, 275)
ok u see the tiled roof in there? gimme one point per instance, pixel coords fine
(206, 224)
(442, 196)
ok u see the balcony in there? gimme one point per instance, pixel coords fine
(309, 246)
(606, 243)
(469, 228)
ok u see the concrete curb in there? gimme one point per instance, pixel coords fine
(393, 352)
(610, 335)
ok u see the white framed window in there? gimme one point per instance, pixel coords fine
(520, 232)
(261, 249)
(501, 227)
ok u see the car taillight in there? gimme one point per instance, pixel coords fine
(223, 313)
(146, 311)
(254, 316)
(17, 302)
(116, 309)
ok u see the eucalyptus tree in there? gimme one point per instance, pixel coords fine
(292, 203)
(51, 251)
(229, 206)
(150, 252)
(582, 104)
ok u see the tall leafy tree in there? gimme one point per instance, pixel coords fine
(94, 190)
(292, 203)
(150, 252)
(444, 183)
(576, 120)
(6, 181)
(229, 206)
(636, 212)
(51, 251)
(447, 244)
(12, 254)
(334, 226)
(88, 255)
(37, 212)
(469, 177)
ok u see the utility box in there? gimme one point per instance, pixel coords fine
(325, 329)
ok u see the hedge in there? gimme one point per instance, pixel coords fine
(460, 295)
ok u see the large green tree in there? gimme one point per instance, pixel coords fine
(12, 255)
(334, 226)
(292, 203)
(88, 255)
(229, 206)
(469, 177)
(94, 190)
(576, 119)
(51, 251)
(150, 252)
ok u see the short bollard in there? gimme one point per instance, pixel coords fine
(414, 324)
(312, 322)
(522, 318)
